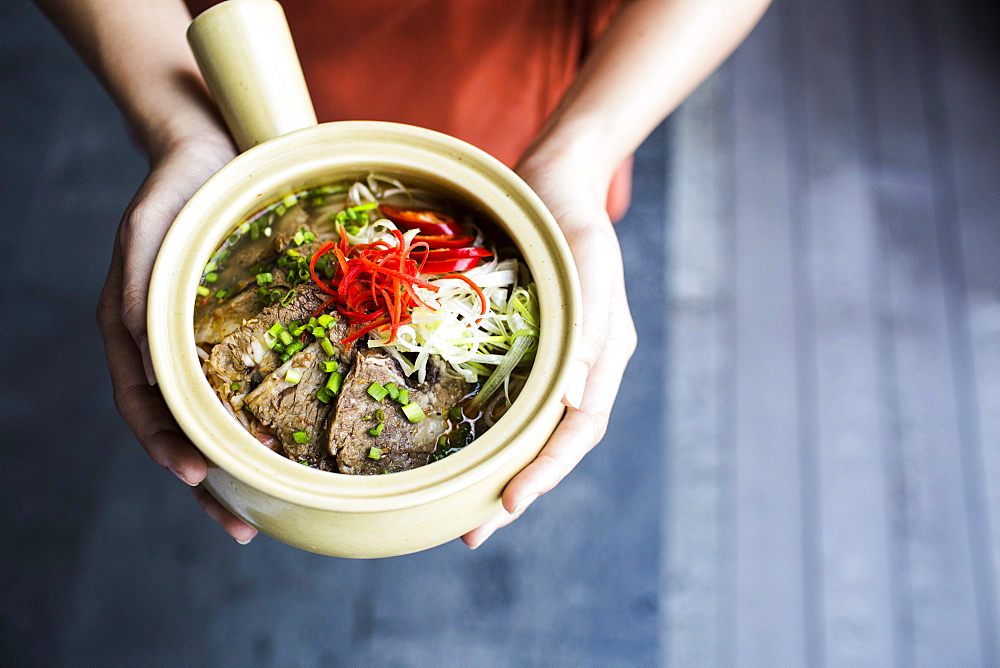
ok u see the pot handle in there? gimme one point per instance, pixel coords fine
(245, 52)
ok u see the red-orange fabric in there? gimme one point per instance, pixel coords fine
(487, 72)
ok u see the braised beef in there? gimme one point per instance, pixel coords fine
(401, 445)
(213, 318)
(213, 324)
(290, 410)
(242, 360)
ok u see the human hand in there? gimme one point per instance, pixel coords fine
(576, 197)
(121, 314)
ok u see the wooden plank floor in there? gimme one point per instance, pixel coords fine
(818, 404)
(835, 247)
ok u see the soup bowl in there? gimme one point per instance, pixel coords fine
(338, 514)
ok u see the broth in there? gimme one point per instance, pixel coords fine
(366, 327)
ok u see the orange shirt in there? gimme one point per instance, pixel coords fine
(487, 72)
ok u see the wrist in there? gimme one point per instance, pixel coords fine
(182, 126)
(581, 148)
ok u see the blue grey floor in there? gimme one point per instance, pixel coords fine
(813, 258)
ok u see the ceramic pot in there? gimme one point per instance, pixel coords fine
(330, 513)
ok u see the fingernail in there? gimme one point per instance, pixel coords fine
(147, 360)
(244, 542)
(181, 477)
(482, 540)
(574, 388)
(524, 503)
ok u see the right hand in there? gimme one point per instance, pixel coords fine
(121, 314)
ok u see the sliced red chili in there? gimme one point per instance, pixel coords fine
(447, 266)
(438, 254)
(444, 240)
(429, 222)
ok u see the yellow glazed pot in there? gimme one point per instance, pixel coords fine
(329, 513)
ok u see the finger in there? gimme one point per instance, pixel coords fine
(478, 536)
(140, 404)
(595, 251)
(580, 430)
(242, 532)
(141, 233)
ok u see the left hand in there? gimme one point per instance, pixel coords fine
(576, 198)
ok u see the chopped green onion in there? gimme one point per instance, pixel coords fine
(329, 366)
(404, 397)
(289, 200)
(380, 415)
(276, 329)
(280, 209)
(293, 375)
(285, 337)
(221, 294)
(293, 348)
(324, 395)
(300, 436)
(203, 291)
(302, 235)
(211, 277)
(210, 267)
(377, 429)
(265, 278)
(333, 382)
(327, 347)
(413, 412)
(393, 391)
(455, 412)
(374, 453)
(235, 387)
(319, 332)
(325, 320)
(377, 392)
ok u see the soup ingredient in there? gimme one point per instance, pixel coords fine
(403, 444)
(242, 359)
(372, 285)
(349, 342)
(524, 317)
(289, 410)
(425, 220)
(446, 260)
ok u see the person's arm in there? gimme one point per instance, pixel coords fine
(139, 52)
(653, 54)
